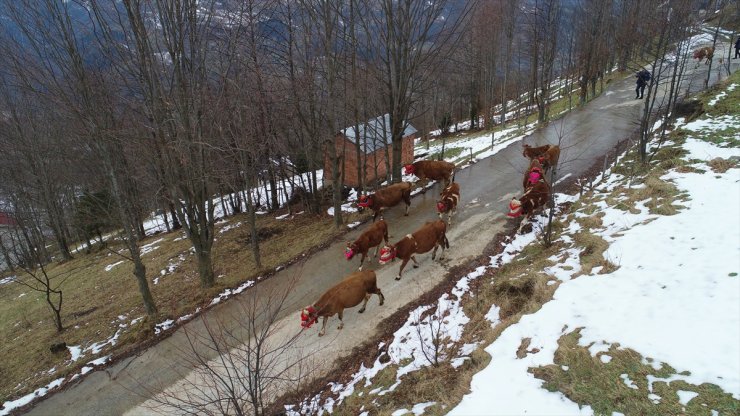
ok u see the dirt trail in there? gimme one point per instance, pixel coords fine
(587, 134)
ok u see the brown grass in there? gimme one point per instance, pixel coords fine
(720, 165)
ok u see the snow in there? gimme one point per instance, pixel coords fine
(228, 227)
(163, 326)
(75, 351)
(111, 266)
(675, 301)
(627, 382)
(700, 40)
(6, 280)
(148, 248)
(721, 95)
(418, 409)
(684, 397)
(230, 292)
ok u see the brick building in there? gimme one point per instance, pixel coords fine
(374, 137)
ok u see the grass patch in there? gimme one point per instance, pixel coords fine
(592, 254)
(659, 195)
(720, 165)
(450, 152)
(95, 298)
(589, 381)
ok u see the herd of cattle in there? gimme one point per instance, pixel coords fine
(362, 284)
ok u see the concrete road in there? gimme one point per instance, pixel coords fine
(585, 134)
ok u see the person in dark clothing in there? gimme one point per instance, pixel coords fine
(643, 77)
(737, 48)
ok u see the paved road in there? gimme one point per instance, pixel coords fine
(586, 134)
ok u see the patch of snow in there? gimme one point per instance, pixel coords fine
(75, 351)
(494, 316)
(111, 266)
(148, 248)
(605, 358)
(685, 396)
(6, 280)
(229, 292)
(354, 224)
(163, 326)
(228, 227)
(627, 382)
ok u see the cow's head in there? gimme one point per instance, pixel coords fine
(515, 208)
(364, 201)
(309, 315)
(409, 169)
(525, 150)
(349, 251)
(387, 253)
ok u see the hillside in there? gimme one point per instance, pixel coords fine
(634, 308)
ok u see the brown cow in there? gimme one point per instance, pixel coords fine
(389, 196)
(533, 174)
(372, 237)
(346, 294)
(705, 52)
(535, 198)
(448, 201)
(548, 155)
(430, 236)
(432, 169)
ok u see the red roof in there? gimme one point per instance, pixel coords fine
(6, 219)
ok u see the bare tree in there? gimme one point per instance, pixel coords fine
(241, 362)
(410, 36)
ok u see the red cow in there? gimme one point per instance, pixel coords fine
(705, 52)
(432, 169)
(346, 294)
(389, 196)
(430, 236)
(372, 237)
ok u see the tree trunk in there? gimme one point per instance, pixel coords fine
(146, 294)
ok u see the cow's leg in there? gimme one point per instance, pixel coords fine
(323, 326)
(380, 295)
(367, 298)
(341, 322)
(441, 243)
(400, 271)
(362, 260)
(416, 263)
(434, 252)
(377, 248)
(375, 216)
